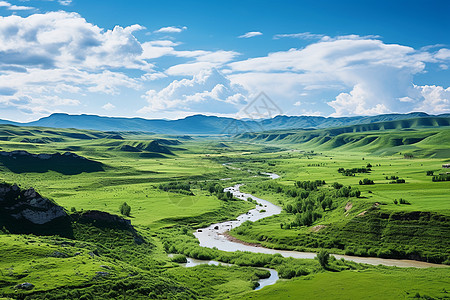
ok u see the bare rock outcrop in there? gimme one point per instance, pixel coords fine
(28, 205)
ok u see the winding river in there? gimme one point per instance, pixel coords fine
(216, 235)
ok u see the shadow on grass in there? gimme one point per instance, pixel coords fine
(64, 164)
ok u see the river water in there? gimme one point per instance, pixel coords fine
(192, 262)
(215, 235)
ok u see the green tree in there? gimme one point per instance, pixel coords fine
(125, 209)
(323, 256)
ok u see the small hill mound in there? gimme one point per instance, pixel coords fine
(68, 163)
(128, 148)
(105, 223)
(221, 145)
(157, 146)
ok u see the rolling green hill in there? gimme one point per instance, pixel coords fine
(419, 136)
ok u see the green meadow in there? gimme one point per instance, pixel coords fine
(167, 181)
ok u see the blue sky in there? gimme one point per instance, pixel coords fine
(171, 59)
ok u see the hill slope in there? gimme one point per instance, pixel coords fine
(421, 136)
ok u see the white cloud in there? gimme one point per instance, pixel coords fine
(108, 106)
(376, 75)
(298, 103)
(10, 6)
(250, 34)
(171, 29)
(207, 91)
(436, 99)
(47, 57)
(65, 2)
(303, 36)
(61, 39)
(443, 53)
(355, 103)
(202, 60)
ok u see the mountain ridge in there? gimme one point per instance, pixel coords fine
(201, 124)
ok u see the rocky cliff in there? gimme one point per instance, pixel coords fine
(25, 211)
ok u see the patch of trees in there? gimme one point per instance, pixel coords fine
(395, 179)
(408, 156)
(217, 190)
(309, 206)
(441, 177)
(401, 201)
(177, 187)
(366, 181)
(430, 173)
(351, 172)
(309, 185)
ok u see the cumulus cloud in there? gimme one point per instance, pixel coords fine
(171, 29)
(369, 76)
(443, 53)
(436, 99)
(10, 6)
(250, 34)
(208, 91)
(45, 57)
(61, 39)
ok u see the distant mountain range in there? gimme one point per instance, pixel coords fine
(200, 124)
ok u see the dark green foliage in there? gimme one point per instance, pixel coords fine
(430, 173)
(180, 258)
(125, 209)
(323, 257)
(441, 177)
(403, 201)
(400, 180)
(217, 190)
(351, 172)
(337, 185)
(366, 181)
(408, 156)
(309, 185)
(177, 187)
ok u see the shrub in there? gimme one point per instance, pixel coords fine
(180, 258)
(125, 209)
(323, 256)
(441, 177)
(366, 181)
(337, 185)
(430, 173)
(403, 201)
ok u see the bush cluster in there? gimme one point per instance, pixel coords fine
(441, 177)
(351, 172)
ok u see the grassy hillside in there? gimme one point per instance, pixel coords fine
(166, 181)
(420, 136)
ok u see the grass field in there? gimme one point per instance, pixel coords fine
(362, 284)
(134, 165)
